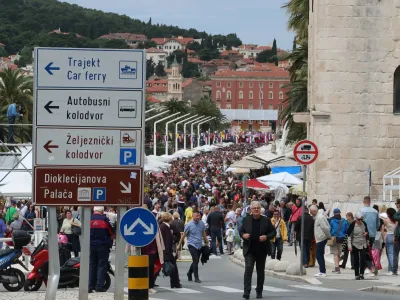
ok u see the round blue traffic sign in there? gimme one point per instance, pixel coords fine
(138, 227)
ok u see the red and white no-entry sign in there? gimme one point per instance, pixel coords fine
(305, 152)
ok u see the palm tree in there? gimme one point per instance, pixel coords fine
(208, 108)
(297, 100)
(174, 106)
(16, 87)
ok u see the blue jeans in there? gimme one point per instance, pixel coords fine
(98, 266)
(396, 250)
(289, 230)
(321, 256)
(11, 122)
(216, 235)
(389, 251)
(277, 249)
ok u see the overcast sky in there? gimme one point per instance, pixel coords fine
(256, 21)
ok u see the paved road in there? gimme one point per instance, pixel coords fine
(221, 279)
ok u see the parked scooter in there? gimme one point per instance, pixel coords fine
(13, 279)
(69, 271)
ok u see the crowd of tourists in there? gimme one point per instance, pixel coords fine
(201, 209)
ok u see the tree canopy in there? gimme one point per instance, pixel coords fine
(21, 21)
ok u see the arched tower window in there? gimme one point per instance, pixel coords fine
(396, 91)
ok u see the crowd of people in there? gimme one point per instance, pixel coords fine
(198, 204)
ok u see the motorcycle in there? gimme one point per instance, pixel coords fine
(13, 279)
(69, 271)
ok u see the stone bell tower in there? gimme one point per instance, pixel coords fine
(175, 81)
(354, 111)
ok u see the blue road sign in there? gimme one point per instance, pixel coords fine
(127, 156)
(138, 227)
(99, 194)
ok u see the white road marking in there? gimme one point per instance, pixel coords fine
(315, 288)
(126, 291)
(223, 289)
(274, 289)
(181, 291)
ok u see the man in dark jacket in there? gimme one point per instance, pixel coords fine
(308, 235)
(256, 232)
(101, 238)
(216, 225)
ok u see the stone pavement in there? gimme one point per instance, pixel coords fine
(288, 267)
(71, 294)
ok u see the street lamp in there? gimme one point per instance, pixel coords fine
(184, 130)
(157, 115)
(198, 129)
(176, 130)
(166, 129)
(191, 130)
(155, 128)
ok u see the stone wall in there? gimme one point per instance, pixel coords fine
(354, 49)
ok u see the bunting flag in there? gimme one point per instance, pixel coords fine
(165, 138)
(265, 139)
(176, 136)
(170, 135)
(180, 138)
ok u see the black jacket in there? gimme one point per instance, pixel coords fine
(266, 229)
(308, 228)
(215, 221)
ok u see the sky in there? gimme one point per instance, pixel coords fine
(255, 22)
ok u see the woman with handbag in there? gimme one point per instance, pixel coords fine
(357, 244)
(72, 229)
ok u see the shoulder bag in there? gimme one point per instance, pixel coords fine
(76, 230)
(332, 241)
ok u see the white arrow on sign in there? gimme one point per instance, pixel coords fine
(127, 189)
(149, 230)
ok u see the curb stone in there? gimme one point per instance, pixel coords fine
(276, 274)
(386, 289)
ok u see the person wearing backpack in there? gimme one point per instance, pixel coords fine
(339, 227)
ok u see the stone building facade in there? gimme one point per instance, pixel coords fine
(354, 52)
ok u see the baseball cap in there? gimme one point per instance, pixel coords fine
(359, 215)
(336, 211)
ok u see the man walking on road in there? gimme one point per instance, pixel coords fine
(256, 231)
(216, 225)
(396, 246)
(195, 231)
(308, 235)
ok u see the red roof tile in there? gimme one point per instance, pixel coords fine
(156, 82)
(124, 36)
(196, 60)
(13, 67)
(154, 50)
(157, 89)
(187, 82)
(273, 73)
(230, 52)
(179, 39)
(153, 100)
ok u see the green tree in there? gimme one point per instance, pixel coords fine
(159, 70)
(294, 44)
(178, 54)
(297, 101)
(147, 45)
(15, 87)
(150, 68)
(195, 46)
(264, 56)
(208, 108)
(274, 48)
(174, 105)
(3, 52)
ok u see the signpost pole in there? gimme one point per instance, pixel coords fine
(54, 259)
(85, 254)
(302, 220)
(119, 263)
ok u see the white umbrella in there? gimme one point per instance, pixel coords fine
(283, 177)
